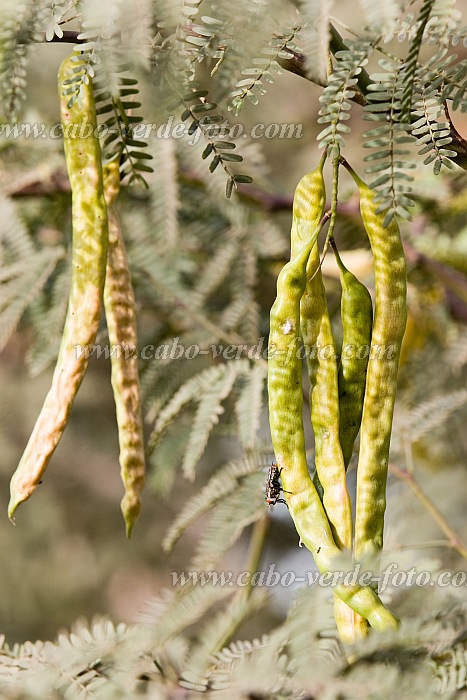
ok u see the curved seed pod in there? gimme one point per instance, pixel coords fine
(381, 381)
(357, 321)
(324, 404)
(120, 313)
(308, 208)
(83, 159)
(285, 414)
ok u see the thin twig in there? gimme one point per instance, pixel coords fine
(454, 540)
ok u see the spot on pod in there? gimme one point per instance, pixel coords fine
(287, 328)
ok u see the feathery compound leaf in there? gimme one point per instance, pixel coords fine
(220, 628)
(249, 404)
(442, 27)
(228, 520)
(430, 414)
(209, 388)
(389, 158)
(220, 486)
(17, 33)
(216, 270)
(432, 136)
(175, 48)
(448, 77)
(176, 610)
(124, 137)
(410, 65)
(207, 415)
(165, 194)
(54, 16)
(252, 83)
(336, 96)
(314, 36)
(451, 670)
(216, 131)
(21, 288)
(47, 314)
(380, 16)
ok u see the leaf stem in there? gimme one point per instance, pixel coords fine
(454, 540)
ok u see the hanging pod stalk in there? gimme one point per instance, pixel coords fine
(83, 160)
(120, 313)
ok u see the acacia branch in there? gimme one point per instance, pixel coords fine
(297, 64)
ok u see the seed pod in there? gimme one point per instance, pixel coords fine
(357, 320)
(120, 312)
(381, 381)
(318, 339)
(324, 404)
(285, 415)
(83, 159)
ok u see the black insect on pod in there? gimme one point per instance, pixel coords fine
(273, 486)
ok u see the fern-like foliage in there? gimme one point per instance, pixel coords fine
(443, 24)
(381, 17)
(443, 73)
(121, 141)
(451, 669)
(208, 388)
(335, 99)
(249, 404)
(216, 134)
(54, 15)
(214, 634)
(252, 83)
(25, 270)
(178, 46)
(175, 47)
(315, 35)
(410, 65)
(101, 58)
(430, 414)
(433, 136)
(175, 610)
(228, 520)
(48, 311)
(220, 487)
(389, 140)
(18, 32)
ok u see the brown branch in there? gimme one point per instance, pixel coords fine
(69, 37)
(297, 64)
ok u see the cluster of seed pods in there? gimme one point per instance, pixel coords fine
(100, 279)
(356, 394)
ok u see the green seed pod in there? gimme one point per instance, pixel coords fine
(83, 159)
(357, 320)
(120, 313)
(285, 415)
(381, 381)
(324, 404)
